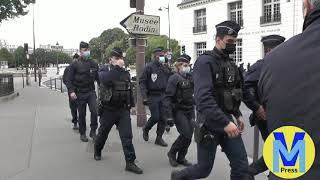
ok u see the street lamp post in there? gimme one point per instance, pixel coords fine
(34, 50)
(168, 8)
(57, 58)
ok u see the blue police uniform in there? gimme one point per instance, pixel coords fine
(179, 107)
(218, 94)
(153, 83)
(252, 99)
(80, 79)
(116, 99)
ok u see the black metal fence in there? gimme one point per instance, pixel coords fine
(6, 84)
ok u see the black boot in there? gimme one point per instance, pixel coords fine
(132, 167)
(75, 127)
(176, 175)
(161, 142)
(182, 157)
(97, 154)
(93, 135)
(84, 138)
(167, 128)
(172, 159)
(145, 134)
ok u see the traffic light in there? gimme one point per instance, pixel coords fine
(132, 3)
(183, 49)
(26, 49)
(126, 43)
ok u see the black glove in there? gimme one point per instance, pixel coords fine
(170, 122)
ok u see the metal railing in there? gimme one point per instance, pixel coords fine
(273, 18)
(56, 84)
(6, 84)
(199, 29)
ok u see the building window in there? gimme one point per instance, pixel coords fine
(271, 12)
(201, 48)
(237, 56)
(200, 21)
(235, 10)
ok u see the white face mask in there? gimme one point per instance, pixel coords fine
(185, 70)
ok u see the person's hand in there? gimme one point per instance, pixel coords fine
(261, 113)
(232, 130)
(73, 96)
(240, 123)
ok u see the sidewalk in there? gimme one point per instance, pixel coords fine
(37, 143)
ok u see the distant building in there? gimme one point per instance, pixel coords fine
(50, 47)
(3, 64)
(9, 47)
(258, 18)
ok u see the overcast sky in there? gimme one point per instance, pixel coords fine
(70, 21)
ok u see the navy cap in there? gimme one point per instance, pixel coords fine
(117, 52)
(84, 45)
(272, 40)
(184, 58)
(230, 28)
(158, 49)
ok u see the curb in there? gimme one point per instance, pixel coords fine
(9, 97)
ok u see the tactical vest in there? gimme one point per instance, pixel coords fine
(185, 94)
(84, 76)
(117, 94)
(227, 83)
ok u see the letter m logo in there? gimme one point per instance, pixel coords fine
(289, 158)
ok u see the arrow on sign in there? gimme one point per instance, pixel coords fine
(142, 24)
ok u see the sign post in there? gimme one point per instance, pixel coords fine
(139, 25)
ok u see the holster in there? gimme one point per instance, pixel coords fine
(252, 119)
(201, 135)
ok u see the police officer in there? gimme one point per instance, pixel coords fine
(72, 103)
(178, 105)
(153, 83)
(218, 94)
(252, 100)
(117, 99)
(289, 84)
(80, 83)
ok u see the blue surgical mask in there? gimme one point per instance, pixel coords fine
(86, 54)
(162, 59)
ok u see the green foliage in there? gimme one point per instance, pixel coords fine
(19, 56)
(131, 56)
(98, 45)
(10, 9)
(5, 55)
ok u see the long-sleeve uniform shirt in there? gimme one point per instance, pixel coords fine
(206, 71)
(250, 90)
(153, 80)
(82, 75)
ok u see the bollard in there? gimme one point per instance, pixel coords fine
(61, 85)
(256, 144)
(55, 84)
(50, 83)
(22, 80)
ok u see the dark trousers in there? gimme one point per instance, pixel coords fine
(120, 118)
(89, 98)
(263, 128)
(157, 117)
(73, 109)
(184, 126)
(234, 150)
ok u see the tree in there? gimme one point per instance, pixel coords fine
(161, 41)
(5, 55)
(99, 44)
(19, 56)
(10, 9)
(131, 56)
